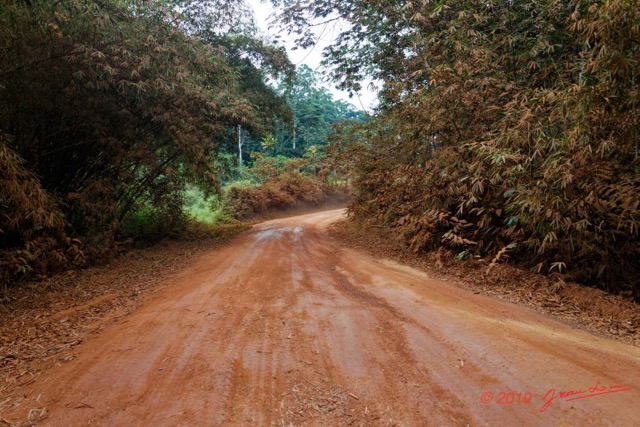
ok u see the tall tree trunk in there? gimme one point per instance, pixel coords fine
(239, 146)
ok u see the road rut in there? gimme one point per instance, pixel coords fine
(283, 326)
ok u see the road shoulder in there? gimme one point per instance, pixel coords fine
(589, 309)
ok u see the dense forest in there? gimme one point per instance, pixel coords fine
(505, 129)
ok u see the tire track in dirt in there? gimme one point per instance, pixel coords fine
(282, 326)
(386, 345)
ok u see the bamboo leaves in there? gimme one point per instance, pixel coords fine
(101, 98)
(534, 107)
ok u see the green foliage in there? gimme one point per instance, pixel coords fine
(268, 143)
(153, 223)
(503, 125)
(314, 112)
(202, 208)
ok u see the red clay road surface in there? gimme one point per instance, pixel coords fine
(283, 327)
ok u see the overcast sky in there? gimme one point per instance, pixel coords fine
(313, 56)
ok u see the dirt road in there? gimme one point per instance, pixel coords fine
(284, 327)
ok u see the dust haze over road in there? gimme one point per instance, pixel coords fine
(283, 326)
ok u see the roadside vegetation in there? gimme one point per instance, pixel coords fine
(507, 130)
(126, 121)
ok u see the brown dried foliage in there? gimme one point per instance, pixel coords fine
(31, 226)
(514, 125)
(287, 190)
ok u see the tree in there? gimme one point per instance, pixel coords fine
(110, 105)
(314, 111)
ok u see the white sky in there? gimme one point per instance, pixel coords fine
(313, 56)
